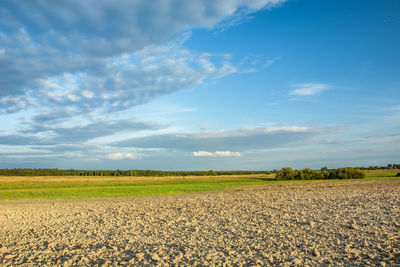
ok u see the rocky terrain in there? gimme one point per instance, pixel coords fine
(313, 223)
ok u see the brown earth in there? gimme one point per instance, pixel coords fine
(313, 223)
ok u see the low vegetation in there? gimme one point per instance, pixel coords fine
(54, 187)
(308, 174)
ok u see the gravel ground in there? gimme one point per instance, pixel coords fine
(313, 223)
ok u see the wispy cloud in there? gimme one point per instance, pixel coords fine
(81, 133)
(308, 89)
(225, 154)
(243, 14)
(121, 156)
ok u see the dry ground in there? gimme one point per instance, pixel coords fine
(314, 223)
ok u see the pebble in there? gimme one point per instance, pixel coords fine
(316, 253)
(155, 257)
(140, 256)
(297, 262)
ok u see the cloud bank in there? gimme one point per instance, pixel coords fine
(104, 54)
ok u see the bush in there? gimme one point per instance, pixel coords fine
(398, 174)
(308, 174)
(286, 174)
(347, 173)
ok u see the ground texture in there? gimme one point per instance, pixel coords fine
(313, 223)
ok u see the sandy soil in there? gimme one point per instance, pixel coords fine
(314, 223)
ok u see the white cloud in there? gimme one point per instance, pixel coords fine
(87, 94)
(216, 154)
(43, 39)
(127, 80)
(203, 154)
(121, 156)
(308, 89)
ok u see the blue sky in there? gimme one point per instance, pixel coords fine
(198, 85)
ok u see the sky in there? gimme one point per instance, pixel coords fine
(199, 85)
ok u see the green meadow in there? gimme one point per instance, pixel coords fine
(35, 188)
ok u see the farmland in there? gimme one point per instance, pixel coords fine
(70, 187)
(341, 222)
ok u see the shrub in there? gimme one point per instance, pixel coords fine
(398, 174)
(308, 174)
(347, 173)
(286, 174)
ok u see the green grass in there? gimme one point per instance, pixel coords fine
(64, 189)
(77, 189)
(383, 175)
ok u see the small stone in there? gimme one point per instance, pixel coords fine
(271, 259)
(297, 262)
(316, 253)
(354, 226)
(312, 224)
(383, 264)
(140, 256)
(155, 257)
(9, 256)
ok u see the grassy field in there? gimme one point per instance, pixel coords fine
(25, 188)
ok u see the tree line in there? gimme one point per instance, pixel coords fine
(308, 174)
(389, 166)
(73, 172)
(301, 174)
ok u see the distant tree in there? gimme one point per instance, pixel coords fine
(211, 172)
(324, 169)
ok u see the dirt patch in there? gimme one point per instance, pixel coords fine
(338, 223)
